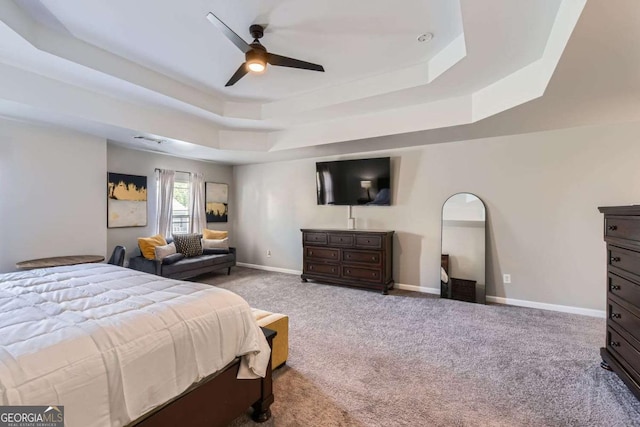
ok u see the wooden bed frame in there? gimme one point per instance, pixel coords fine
(216, 400)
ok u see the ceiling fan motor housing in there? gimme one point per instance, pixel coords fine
(256, 31)
(258, 54)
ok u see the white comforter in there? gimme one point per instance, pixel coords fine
(111, 343)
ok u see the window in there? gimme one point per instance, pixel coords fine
(181, 191)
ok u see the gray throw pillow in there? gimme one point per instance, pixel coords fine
(188, 244)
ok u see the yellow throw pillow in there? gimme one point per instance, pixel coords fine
(148, 245)
(214, 234)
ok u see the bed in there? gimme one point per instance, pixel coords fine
(121, 347)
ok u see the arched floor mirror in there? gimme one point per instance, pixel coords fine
(463, 248)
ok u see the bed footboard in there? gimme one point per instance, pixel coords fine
(216, 400)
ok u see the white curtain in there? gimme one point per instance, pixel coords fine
(197, 214)
(164, 206)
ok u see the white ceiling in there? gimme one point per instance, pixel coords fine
(118, 68)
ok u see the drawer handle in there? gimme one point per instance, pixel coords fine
(368, 241)
(333, 254)
(310, 252)
(615, 259)
(616, 315)
(374, 274)
(311, 267)
(614, 344)
(348, 256)
(614, 287)
(612, 227)
(333, 270)
(348, 271)
(373, 258)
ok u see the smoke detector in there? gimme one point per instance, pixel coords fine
(425, 38)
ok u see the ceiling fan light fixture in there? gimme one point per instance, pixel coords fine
(256, 66)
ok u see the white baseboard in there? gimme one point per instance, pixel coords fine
(267, 268)
(544, 306)
(517, 302)
(436, 291)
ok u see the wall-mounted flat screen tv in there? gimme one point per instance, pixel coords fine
(354, 182)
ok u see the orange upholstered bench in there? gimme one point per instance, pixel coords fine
(279, 323)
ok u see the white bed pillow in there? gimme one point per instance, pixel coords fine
(164, 251)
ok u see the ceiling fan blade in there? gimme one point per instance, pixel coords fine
(228, 32)
(283, 61)
(240, 73)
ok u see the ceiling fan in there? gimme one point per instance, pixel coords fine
(256, 54)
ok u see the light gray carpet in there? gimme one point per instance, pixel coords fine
(358, 358)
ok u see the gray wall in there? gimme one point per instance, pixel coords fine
(52, 199)
(541, 191)
(123, 160)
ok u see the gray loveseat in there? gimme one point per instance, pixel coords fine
(183, 268)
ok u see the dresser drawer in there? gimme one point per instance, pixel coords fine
(320, 253)
(323, 269)
(362, 257)
(370, 275)
(624, 289)
(624, 351)
(341, 239)
(315, 238)
(622, 227)
(623, 318)
(369, 241)
(624, 259)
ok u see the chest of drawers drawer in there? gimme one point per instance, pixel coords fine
(624, 289)
(624, 259)
(368, 241)
(623, 318)
(314, 238)
(361, 257)
(622, 227)
(321, 268)
(627, 349)
(368, 274)
(341, 239)
(320, 253)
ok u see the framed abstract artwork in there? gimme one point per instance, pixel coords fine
(126, 200)
(216, 201)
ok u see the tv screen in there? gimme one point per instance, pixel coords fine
(354, 182)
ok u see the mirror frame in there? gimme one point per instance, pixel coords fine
(480, 288)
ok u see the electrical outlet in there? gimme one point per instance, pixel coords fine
(268, 252)
(506, 278)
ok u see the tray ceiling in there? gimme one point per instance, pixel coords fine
(119, 68)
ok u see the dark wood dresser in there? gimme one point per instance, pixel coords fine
(348, 257)
(622, 349)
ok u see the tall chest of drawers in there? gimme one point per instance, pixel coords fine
(622, 349)
(348, 257)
